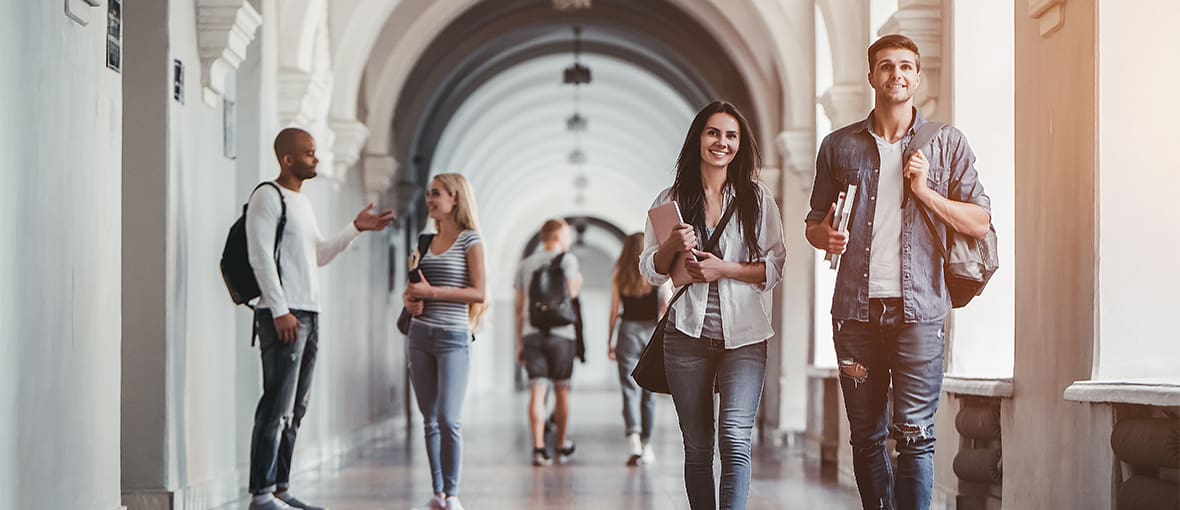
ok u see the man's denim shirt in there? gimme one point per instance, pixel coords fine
(850, 156)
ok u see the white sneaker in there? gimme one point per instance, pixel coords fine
(454, 504)
(634, 449)
(435, 503)
(541, 457)
(648, 455)
(564, 453)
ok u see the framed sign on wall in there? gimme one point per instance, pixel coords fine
(114, 35)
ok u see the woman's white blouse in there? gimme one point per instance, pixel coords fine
(745, 307)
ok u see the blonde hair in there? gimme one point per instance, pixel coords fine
(626, 275)
(464, 214)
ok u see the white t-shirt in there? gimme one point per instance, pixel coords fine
(301, 251)
(885, 257)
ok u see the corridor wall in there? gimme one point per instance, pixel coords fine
(60, 132)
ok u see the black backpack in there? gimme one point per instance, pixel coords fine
(235, 257)
(550, 305)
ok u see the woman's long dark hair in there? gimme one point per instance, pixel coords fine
(741, 175)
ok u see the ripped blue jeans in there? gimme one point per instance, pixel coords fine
(873, 356)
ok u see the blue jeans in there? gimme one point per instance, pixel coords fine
(873, 355)
(693, 365)
(639, 406)
(286, 381)
(438, 370)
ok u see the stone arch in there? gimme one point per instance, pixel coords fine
(299, 22)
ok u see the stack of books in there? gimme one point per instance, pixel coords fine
(840, 219)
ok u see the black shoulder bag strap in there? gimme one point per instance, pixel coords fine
(278, 238)
(922, 137)
(709, 245)
(424, 240)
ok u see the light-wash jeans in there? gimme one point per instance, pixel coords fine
(638, 404)
(874, 356)
(692, 365)
(439, 362)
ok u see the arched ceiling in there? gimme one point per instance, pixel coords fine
(491, 37)
(475, 87)
(509, 139)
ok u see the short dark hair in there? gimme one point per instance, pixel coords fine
(894, 41)
(285, 141)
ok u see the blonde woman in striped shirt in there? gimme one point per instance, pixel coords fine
(447, 303)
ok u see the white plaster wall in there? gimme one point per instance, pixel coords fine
(983, 334)
(59, 307)
(1137, 221)
(202, 325)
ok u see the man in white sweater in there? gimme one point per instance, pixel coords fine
(286, 317)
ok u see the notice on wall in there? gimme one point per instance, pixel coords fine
(115, 35)
(178, 81)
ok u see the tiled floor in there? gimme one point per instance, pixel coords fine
(497, 473)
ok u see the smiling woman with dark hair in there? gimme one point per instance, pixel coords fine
(715, 337)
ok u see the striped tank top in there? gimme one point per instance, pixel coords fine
(448, 269)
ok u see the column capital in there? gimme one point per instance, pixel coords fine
(225, 29)
(845, 103)
(797, 148)
(379, 171)
(351, 135)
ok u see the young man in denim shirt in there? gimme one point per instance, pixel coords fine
(890, 298)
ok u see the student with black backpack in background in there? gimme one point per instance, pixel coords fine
(547, 282)
(286, 316)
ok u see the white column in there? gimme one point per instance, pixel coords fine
(351, 135)
(982, 80)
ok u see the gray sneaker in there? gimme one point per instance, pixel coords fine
(294, 502)
(270, 504)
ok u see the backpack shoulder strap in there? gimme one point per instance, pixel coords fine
(922, 137)
(555, 262)
(282, 200)
(280, 226)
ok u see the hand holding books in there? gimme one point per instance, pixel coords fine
(840, 217)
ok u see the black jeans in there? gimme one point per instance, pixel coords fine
(286, 381)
